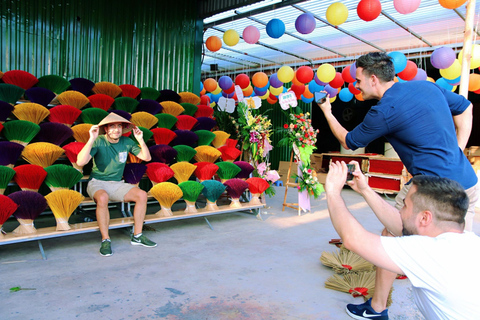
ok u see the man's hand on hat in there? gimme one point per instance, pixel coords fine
(93, 132)
(137, 133)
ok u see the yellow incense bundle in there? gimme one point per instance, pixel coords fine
(144, 119)
(73, 98)
(173, 108)
(345, 261)
(166, 193)
(189, 97)
(220, 138)
(81, 132)
(32, 112)
(62, 203)
(207, 154)
(183, 171)
(42, 153)
(108, 88)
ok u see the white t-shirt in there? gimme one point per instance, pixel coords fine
(444, 271)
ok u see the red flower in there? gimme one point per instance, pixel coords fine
(295, 126)
(285, 126)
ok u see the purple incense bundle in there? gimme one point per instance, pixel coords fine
(5, 110)
(40, 95)
(9, 153)
(150, 106)
(235, 188)
(54, 132)
(205, 123)
(163, 153)
(123, 114)
(246, 169)
(30, 205)
(185, 137)
(134, 172)
(82, 85)
(169, 95)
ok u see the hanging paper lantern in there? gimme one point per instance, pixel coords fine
(421, 75)
(248, 91)
(251, 34)
(345, 95)
(326, 73)
(304, 74)
(306, 100)
(314, 87)
(231, 37)
(305, 23)
(451, 4)
(353, 70)
(475, 56)
(441, 82)
(260, 79)
(442, 57)
(337, 13)
(210, 84)
(369, 10)
(285, 74)
(359, 97)
(453, 82)
(346, 75)
(409, 72)
(332, 92)
(453, 71)
(298, 89)
(474, 82)
(352, 89)
(225, 82)
(399, 61)
(242, 80)
(275, 91)
(275, 28)
(213, 43)
(274, 82)
(337, 82)
(406, 6)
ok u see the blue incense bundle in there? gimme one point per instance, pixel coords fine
(54, 132)
(150, 106)
(163, 153)
(212, 191)
(82, 85)
(134, 172)
(246, 169)
(30, 205)
(185, 137)
(39, 95)
(205, 123)
(9, 153)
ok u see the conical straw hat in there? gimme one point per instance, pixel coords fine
(115, 118)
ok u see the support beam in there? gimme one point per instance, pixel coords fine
(463, 18)
(406, 28)
(250, 55)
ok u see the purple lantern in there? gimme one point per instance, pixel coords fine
(421, 75)
(442, 57)
(274, 82)
(225, 82)
(305, 23)
(353, 70)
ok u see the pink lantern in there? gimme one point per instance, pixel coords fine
(406, 6)
(305, 23)
(409, 72)
(251, 34)
(369, 10)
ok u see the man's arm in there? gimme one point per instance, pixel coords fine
(144, 153)
(463, 124)
(84, 156)
(338, 130)
(352, 233)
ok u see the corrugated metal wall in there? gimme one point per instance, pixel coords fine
(145, 42)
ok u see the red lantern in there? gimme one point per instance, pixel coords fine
(242, 80)
(230, 90)
(304, 74)
(213, 43)
(298, 89)
(337, 82)
(205, 100)
(409, 72)
(352, 89)
(369, 10)
(347, 77)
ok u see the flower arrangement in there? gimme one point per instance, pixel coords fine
(308, 181)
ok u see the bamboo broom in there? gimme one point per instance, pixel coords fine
(61, 176)
(10, 93)
(173, 108)
(29, 177)
(108, 88)
(133, 172)
(227, 170)
(71, 151)
(64, 114)
(42, 153)
(82, 85)
(40, 95)
(229, 153)
(166, 193)
(149, 93)
(129, 90)
(183, 171)
(246, 169)
(144, 119)
(6, 175)
(235, 188)
(345, 261)
(166, 120)
(205, 123)
(30, 205)
(6, 110)
(101, 101)
(32, 112)
(204, 111)
(212, 191)
(158, 172)
(20, 78)
(163, 135)
(185, 122)
(205, 170)
(56, 133)
(150, 106)
(163, 153)
(207, 154)
(9, 153)
(257, 186)
(185, 153)
(168, 95)
(53, 83)
(205, 137)
(185, 137)
(126, 104)
(7, 208)
(220, 138)
(63, 203)
(189, 97)
(20, 131)
(191, 191)
(189, 109)
(93, 115)
(73, 98)
(81, 132)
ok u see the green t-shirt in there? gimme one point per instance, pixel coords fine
(109, 159)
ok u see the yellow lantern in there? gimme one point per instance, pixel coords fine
(452, 72)
(231, 37)
(337, 13)
(326, 73)
(285, 74)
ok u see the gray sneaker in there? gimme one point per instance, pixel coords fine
(142, 241)
(106, 248)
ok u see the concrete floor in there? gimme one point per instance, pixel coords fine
(243, 269)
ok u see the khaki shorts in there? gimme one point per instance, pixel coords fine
(116, 190)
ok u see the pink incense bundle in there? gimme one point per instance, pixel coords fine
(205, 170)
(158, 172)
(101, 101)
(163, 135)
(229, 153)
(29, 177)
(257, 186)
(185, 122)
(30, 205)
(235, 188)
(64, 114)
(71, 151)
(7, 208)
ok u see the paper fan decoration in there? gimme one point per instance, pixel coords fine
(205, 170)
(189, 109)
(64, 114)
(129, 90)
(39, 95)
(184, 153)
(159, 172)
(207, 154)
(246, 169)
(183, 171)
(32, 112)
(20, 131)
(81, 132)
(126, 104)
(108, 88)
(185, 122)
(73, 98)
(29, 177)
(212, 191)
(150, 106)
(191, 191)
(20, 78)
(205, 137)
(166, 193)
(101, 101)
(173, 108)
(63, 203)
(235, 188)
(166, 120)
(82, 85)
(144, 119)
(163, 135)
(42, 153)
(30, 205)
(9, 153)
(204, 111)
(163, 153)
(229, 153)
(257, 186)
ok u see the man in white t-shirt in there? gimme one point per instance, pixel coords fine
(439, 258)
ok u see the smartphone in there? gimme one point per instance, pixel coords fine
(320, 97)
(351, 168)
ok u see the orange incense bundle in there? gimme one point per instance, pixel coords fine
(108, 88)
(62, 203)
(133, 158)
(204, 111)
(185, 122)
(183, 171)
(81, 132)
(235, 188)
(42, 153)
(129, 90)
(189, 97)
(7, 208)
(205, 170)
(29, 177)
(220, 138)
(257, 186)
(71, 151)
(166, 193)
(158, 172)
(101, 101)
(229, 153)
(20, 78)
(30, 205)
(64, 114)
(207, 153)
(163, 135)
(73, 98)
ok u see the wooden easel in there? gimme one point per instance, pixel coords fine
(287, 185)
